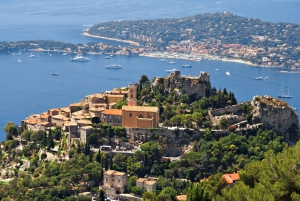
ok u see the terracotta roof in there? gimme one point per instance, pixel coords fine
(181, 197)
(60, 117)
(75, 104)
(115, 95)
(92, 109)
(231, 178)
(31, 121)
(44, 115)
(113, 172)
(140, 108)
(86, 127)
(141, 180)
(88, 122)
(113, 112)
(150, 182)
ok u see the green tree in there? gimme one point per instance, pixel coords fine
(196, 192)
(164, 197)
(223, 123)
(11, 130)
(149, 196)
(169, 191)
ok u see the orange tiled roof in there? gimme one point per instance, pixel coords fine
(141, 180)
(231, 178)
(181, 197)
(113, 112)
(140, 108)
(44, 115)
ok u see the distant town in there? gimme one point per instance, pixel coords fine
(218, 36)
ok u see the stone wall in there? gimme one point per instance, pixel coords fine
(227, 110)
(173, 140)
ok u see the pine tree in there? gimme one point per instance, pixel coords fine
(196, 192)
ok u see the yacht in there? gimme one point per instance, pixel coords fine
(217, 69)
(259, 78)
(163, 60)
(170, 71)
(186, 66)
(227, 73)
(114, 66)
(107, 57)
(172, 62)
(55, 73)
(31, 56)
(281, 93)
(64, 54)
(79, 57)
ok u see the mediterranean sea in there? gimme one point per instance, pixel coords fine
(28, 86)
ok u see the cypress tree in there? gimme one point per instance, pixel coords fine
(98, 157)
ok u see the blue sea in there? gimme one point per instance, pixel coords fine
(28, 86)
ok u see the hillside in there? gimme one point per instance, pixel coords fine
(220, 34)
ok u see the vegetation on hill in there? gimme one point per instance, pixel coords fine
(220, 34)
(61, 172)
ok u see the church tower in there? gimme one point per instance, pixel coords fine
(132, 101)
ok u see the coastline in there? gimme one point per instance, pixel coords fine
(111, 39)
(194, 57)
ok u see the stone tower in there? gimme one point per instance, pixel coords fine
(132, 101)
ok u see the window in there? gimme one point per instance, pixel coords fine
(130, 114)
(106, 180)
(119, 181)
(113, 180)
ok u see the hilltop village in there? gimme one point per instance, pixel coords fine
(148, 139)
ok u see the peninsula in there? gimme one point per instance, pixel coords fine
(216, 36)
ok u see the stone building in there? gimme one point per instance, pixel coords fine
(148, 185)
(114, 182)
(140, 117)
(112, 116)
(197, 86)
(134, 116)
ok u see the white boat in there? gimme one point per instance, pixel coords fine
(281, 93)
(55, 73)
(19, 60)
(227, 73)
(114, 66)
(186, 66)
(172, 62)
(163, 60)
(64, 54)
(79, 57)
(111, 55)
(170, 71)
(217, 69)
(107, 57)
(31, 56)
(294, 108)
(259, 78)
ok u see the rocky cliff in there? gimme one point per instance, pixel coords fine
(277, 115)
(197, 86)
